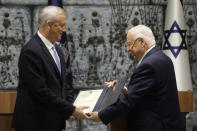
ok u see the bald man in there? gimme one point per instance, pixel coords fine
(151, 101)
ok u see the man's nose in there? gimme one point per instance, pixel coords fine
(64, 28)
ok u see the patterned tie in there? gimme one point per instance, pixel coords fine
(56, 59)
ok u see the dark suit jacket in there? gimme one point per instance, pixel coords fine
(44, 97)
(151, 103)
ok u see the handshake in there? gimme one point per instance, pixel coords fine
(79, 114)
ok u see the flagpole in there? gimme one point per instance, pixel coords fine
(175, 47)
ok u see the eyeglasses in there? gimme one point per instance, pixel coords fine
(131, 44)
(61, 26)
(58, 25)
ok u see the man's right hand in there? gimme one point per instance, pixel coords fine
(79, 114)
(111, 84)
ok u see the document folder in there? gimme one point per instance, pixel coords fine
(98, 99)
(108, 96)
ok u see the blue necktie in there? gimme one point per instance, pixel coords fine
(56, 59)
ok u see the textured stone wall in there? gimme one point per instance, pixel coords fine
(96, 32)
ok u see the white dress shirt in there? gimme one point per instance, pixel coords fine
(48, 44)
(144, 55)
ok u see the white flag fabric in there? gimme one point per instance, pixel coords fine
(175, 45)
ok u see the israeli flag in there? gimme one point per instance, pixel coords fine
(175, 46)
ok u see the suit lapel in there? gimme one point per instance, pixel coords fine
(153, 50)
(61, 56)
(46, 51)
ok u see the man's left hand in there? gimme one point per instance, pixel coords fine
(94, 117)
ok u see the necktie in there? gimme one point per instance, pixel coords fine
(56, 59)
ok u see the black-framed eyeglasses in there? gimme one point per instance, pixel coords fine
(131, 44)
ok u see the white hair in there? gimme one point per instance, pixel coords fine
(50, 13)
(142, 31)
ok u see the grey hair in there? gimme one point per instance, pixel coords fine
(49, 13)
(142, 31)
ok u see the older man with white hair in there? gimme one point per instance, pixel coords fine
(151, 101)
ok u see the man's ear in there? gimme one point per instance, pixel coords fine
(48, 24)
(143, 41)
(144, 44)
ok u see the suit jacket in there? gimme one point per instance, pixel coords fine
(151, 102)
(44, 96)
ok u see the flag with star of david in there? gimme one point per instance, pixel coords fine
(175, 43)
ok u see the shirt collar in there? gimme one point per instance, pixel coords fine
(47, 43)
(144, 55)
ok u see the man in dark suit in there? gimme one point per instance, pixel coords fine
(151, 101)
(44, 95)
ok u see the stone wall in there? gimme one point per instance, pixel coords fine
(96, 31)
